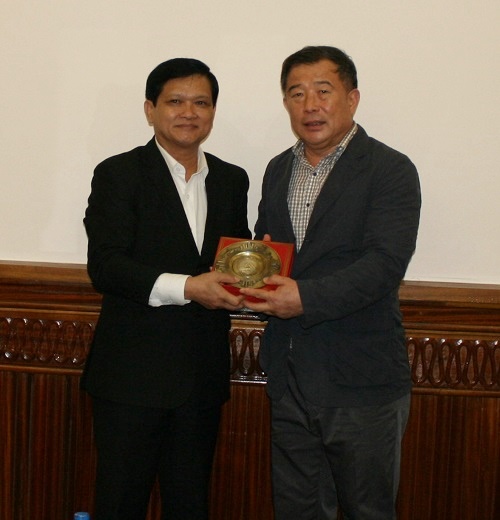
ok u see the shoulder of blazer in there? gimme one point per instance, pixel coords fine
(360, 144)
(142, 166)
(218, 165)
(363, 144)
(223, 175)
(141, 155)
(280, 159)
(150, 154)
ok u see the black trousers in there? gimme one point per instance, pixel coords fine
(325, 456)
(135, 445)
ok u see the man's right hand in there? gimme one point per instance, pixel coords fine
(206, 289)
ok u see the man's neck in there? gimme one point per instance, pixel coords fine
(188, 157)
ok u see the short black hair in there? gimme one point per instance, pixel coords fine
(178, 68)
(312, 54)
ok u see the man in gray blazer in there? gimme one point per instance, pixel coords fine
(158, 370)
(334, 347)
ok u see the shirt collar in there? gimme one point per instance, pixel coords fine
(298, 147)
(175, 166)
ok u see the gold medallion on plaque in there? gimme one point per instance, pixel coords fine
(250, 261)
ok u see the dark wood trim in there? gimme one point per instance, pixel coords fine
(33, 273)
(451, 293)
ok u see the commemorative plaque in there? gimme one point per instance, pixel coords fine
(251, 261)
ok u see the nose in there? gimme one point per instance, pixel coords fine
(310, 103)
(189, 110)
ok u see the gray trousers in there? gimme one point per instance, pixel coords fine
(322, 457)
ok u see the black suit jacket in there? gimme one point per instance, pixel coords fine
(137, 229)
(349, 345)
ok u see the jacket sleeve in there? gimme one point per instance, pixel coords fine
(111, 222)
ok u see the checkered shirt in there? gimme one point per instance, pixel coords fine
(306, 183)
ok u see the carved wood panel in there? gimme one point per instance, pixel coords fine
(455, 363)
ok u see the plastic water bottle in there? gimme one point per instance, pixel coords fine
(81, 516)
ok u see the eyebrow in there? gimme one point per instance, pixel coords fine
(316, 83)
(195, 96)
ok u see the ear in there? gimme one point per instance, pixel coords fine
(353, 99)
(148, 111)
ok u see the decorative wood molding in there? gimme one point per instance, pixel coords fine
(457, 365)
(453, 334)
(48, 313)
(47, 316)
(245, 339)
(40, 344)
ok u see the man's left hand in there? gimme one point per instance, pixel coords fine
(283, 302)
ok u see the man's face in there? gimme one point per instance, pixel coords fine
(321, 108)
(183, 115)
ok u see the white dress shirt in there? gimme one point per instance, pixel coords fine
(169, 287)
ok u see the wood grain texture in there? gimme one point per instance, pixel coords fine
(451, 449)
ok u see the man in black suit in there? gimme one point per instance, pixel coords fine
(334, 347)
(158, 370)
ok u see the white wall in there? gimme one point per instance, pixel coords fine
(72, 89)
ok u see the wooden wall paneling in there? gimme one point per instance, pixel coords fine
(81, 450)
(9, 440)
(451, 449)
(49, 427)
(451, 457)
(48, 458)
(241, 485)
(47, 315)
(450, 467)
(154, 509)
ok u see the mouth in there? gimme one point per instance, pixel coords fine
(313, 125)
(187, 127)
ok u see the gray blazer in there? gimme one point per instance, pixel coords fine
(349, 345)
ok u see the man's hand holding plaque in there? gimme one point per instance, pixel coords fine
(253, 262)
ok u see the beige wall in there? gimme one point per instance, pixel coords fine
(72, 82)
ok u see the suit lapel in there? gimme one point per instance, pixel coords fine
(159, 175)
(280, 196)
(343, 173)
(215, 191)
(346, 171)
